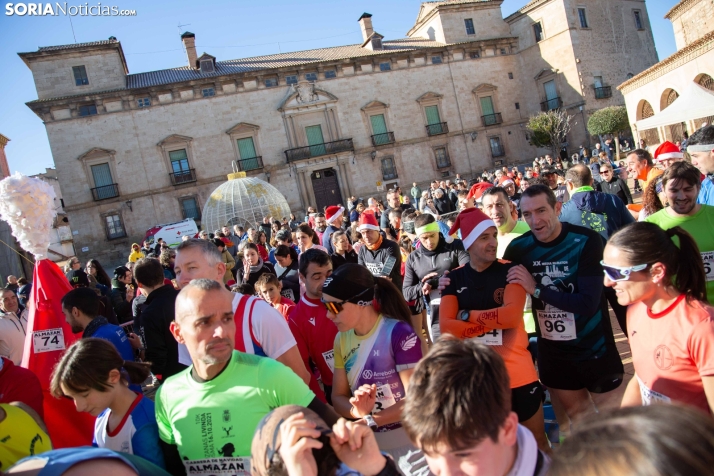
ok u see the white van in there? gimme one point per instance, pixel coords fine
(172, 233)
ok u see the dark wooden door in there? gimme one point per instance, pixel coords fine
(326, 188)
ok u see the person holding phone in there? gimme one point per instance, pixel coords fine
(377, 250)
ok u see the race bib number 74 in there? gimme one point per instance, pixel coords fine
(557, 325)
(48, 340)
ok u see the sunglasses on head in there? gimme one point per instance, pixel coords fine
(621, 273)
(336, 307)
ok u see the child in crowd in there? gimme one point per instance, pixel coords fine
(94, 375)
(269, 288)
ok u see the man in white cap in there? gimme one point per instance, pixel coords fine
(333, 216)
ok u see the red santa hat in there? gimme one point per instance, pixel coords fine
(333, 212)
(367, 221)
(667, 150)
(477, 190)
(472, 222)
(505, 181)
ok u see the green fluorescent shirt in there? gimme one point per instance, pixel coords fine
(701, 227)
(503, 242)
(212, 423)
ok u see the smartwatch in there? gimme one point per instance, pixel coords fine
(370, 422)
(464, 316)
(536, 293)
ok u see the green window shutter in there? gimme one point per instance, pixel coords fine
(550, 91)
(246, 148)
(315, 140)
(102, 175)
(179, 161)
(432, 115)
(379, 125)
(486, 106)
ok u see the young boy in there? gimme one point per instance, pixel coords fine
(269, 288)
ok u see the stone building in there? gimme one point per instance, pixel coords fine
(453, 96)
(655, 88)
(61, 243)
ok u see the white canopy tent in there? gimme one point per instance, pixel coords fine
(696, 102)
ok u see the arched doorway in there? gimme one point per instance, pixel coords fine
(650, 136)
(326, 188)
(676, 131)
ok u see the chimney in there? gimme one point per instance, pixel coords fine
(365, 23)
(189, 43)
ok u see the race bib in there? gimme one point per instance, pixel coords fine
(649, 396)
(48, 340)
(492, 337)
(329, 357)
(708, 259)
(557, 325)
(385, 398)
(218, 466)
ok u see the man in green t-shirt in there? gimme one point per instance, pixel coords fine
(499, 208)
(207, 414)
(681, 185)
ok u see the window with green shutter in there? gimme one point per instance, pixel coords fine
(179, 161)
(315, 140)
(433, 120)
(489, 117)
(248, 156)
(379, 129)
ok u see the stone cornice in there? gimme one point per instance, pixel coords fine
(680, 8)
(3, 141)
(685, 55)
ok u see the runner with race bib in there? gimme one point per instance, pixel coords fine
(376, 351)
(670, 325)
(480, 305)
(681, 185)
(577, 356)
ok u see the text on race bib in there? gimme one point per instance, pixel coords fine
(491, 337)
(329, 357)
(385, 398)
(708, 259)
(557, 325)
(649, 396)
(48, 340)
(218, 466)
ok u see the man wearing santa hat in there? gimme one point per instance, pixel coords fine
(480, 304)
(377, 251)
(667, 154)
(333, 216)
(700, 147)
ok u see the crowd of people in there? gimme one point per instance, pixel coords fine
(423, 335)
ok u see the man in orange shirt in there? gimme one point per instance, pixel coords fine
(479, 304)
(640, 165)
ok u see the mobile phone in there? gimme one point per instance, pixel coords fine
(388, 266)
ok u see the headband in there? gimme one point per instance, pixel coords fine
(700, 148)
(428, 228)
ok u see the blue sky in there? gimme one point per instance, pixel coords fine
(226, 29)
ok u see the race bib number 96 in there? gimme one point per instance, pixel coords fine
(708, 259)
(557, 325)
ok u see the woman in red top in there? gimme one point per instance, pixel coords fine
(670, 326)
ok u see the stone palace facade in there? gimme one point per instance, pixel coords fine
(453, 96)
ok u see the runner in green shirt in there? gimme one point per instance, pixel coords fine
(208, 413)
(681, 185)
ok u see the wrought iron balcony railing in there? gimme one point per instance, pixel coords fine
(316, 150)
(436, 129)
(106, 191)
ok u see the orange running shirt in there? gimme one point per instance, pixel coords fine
(672, 351)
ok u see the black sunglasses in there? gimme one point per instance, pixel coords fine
(336, 307)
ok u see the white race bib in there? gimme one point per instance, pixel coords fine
(649, 396)
(385, 398)
(492, 337)
(708, 259)
(556, 324)
(48, 340)
(329, 357)
(218, 467)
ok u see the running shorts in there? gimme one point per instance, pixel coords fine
(526, 400)
(598, 375)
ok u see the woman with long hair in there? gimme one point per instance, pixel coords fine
(95, 269)
(287, 258)
(263, 245)
(306, 238)
(651, 202)
(376, 344)
(96, 378)
(670, 325)
(253, 264)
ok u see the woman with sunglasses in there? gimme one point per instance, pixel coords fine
(376, 351)
(670, 326)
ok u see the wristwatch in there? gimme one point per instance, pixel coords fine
(536, 293)
(370, 422)
(464, 316)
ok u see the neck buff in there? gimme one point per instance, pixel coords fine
(256, 268)
(428, 228)
(376, 245)
(341, 287)
(584, 188)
